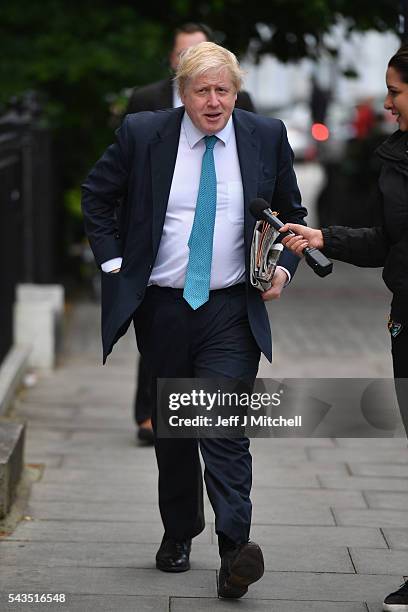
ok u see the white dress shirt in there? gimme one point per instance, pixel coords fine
(228, 261)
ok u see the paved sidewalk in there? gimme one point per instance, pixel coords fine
(330, 514)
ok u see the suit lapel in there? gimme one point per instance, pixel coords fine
(163, 154)
(248, 155)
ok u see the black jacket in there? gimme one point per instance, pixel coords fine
(386, 245)
(159, 95)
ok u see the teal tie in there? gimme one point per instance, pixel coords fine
(197, 282)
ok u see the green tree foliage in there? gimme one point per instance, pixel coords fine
(77, 54)
(294, 27)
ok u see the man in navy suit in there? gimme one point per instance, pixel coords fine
(178, 266)
(153, 97)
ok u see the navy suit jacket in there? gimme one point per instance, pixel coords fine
(137, 172)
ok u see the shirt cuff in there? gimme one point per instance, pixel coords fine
(287, 274)
(111, 264)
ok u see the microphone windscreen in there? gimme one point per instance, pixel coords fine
(257, 207)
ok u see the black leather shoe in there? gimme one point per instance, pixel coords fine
(240, 567)
(173, 555)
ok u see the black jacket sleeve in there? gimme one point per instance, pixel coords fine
(367, 247)
(136, 103)
(244, 102)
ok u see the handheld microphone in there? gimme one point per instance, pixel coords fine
(314, 258)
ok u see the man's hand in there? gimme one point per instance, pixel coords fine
(279, 280)
(306, 236)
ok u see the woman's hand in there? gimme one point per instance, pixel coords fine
(305, 237)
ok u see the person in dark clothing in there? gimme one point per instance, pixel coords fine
(163, 94)
(383, 246)
(153, 97)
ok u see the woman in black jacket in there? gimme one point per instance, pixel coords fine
(384, 246)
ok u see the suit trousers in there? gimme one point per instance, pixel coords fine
(143, 398)
(211, 342)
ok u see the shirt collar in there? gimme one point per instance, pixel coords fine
(194, 135)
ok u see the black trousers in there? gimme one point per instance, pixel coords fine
(144, 393)
(400, 363)
(213, 341)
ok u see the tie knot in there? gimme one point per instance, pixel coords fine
(210, 142)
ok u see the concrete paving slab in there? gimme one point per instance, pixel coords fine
(371, 518)
(91, 412)
(103, 461)
(83, 387)
(181, 604)
(71, 417)
(396, 538)
(329, 481)
(322, 587)
(392, 470)
(78, 477)
(97, 554)
(267, 444)
(86, 423)
(260, 476)
(69, 440)
(387, 501)
(307, 498)
(95, 531)
(263, 478)
(80, 511)
(145, 472)
(144, 469)
(80, 376)
(309, 467)
(50, 461)
(105, 402)
(383, 455)
(278, 454)
(136, 511)
(317, 536)
(91, 603)
(289, 514)
(372, 444)
(109, 581)
(45, 435)
(203, 556)
(118, 444)
(138, 472)
(42, 410)
(374, 561)
(99, 493)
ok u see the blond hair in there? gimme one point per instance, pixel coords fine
(205, 56)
